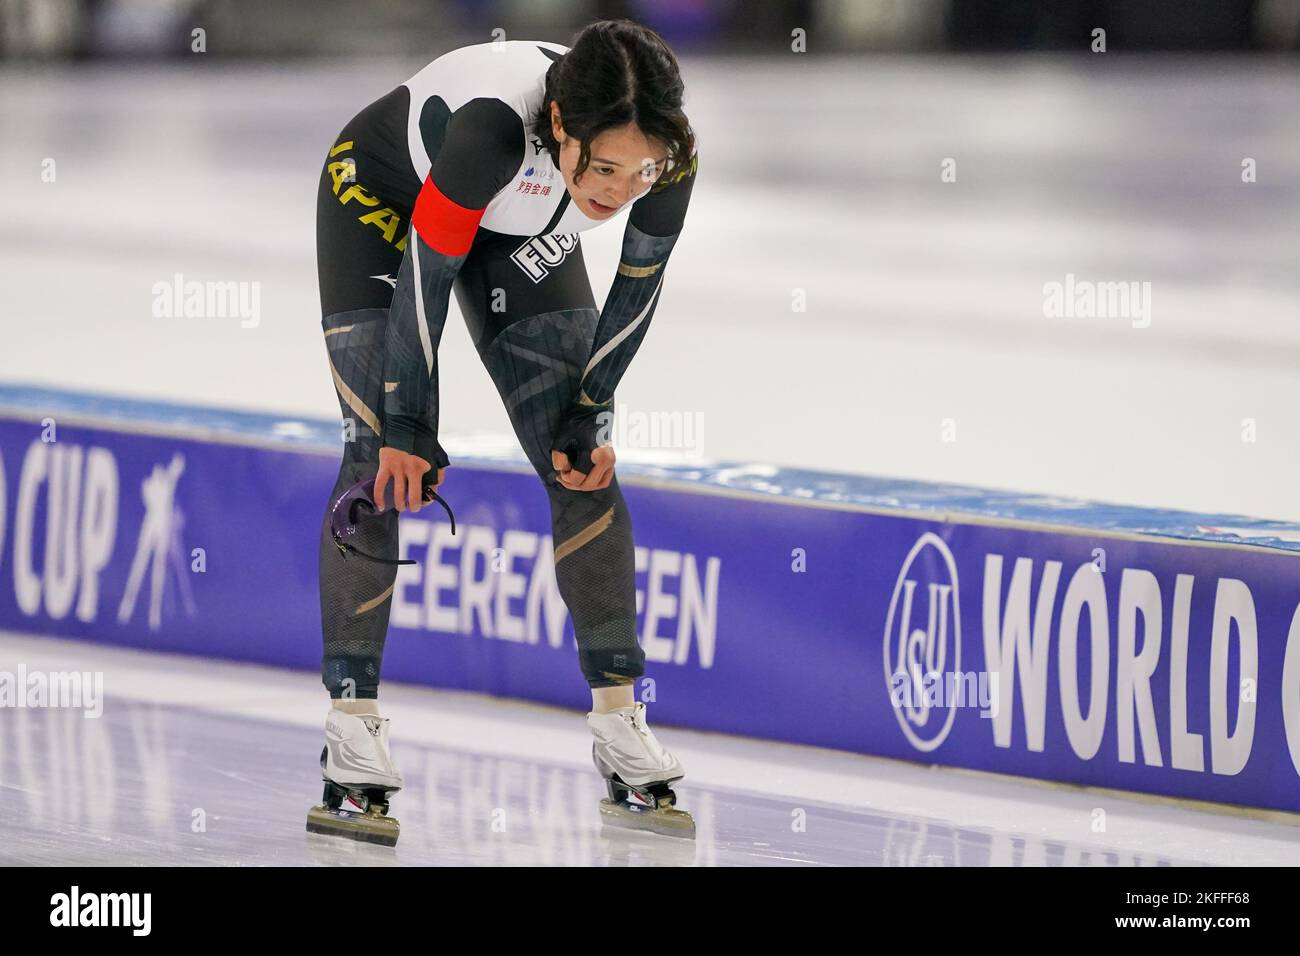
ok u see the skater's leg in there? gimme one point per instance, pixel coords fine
(355, 596)
(536, 350)
(605, 699)
(353, 257)
(595, 570)
(358, 707)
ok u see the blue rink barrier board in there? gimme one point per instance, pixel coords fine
(1146, 650)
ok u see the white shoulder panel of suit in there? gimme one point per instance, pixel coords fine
(514, 72)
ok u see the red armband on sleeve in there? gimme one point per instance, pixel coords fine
(442, 224)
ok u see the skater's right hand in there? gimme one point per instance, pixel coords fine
(407, 471)
(582, 458)
(601, 474)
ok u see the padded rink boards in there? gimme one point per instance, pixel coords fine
(1145, 650)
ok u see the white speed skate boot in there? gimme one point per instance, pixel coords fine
(638, 772)
(359, 775)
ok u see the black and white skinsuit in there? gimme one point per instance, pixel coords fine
(441, 185)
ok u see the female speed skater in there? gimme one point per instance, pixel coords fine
(477, 175)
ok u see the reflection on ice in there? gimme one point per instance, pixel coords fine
(150, 783)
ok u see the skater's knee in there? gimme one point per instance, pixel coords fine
(582, 513)
(354, 345)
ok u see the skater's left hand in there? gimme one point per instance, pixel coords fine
(601, 474)
(406, 472)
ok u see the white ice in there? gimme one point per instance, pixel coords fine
(218, 764)
(924, 299)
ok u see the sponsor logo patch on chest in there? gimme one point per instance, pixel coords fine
(539, 255)
(535, 182)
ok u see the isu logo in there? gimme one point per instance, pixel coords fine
(923, 643)
(539, 255)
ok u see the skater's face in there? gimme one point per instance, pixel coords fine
(624, 164)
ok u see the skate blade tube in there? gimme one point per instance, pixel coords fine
(365, 827)
(665, 821)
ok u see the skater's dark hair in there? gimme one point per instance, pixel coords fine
(616, 72)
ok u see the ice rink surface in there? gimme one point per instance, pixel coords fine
(924, 306)
(924, 300)
(217, 764)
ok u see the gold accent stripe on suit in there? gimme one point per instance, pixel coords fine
(589, 533)
(637, 272)
(354, 402)
(375, 602)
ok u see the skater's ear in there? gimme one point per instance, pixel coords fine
(557, 127)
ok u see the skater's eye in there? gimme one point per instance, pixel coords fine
(605, 170)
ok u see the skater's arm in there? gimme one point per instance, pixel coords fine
(652, 229)
(476, 154)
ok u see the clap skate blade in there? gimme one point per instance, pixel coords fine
(653, 811)
(369, 822)
(365, 817)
